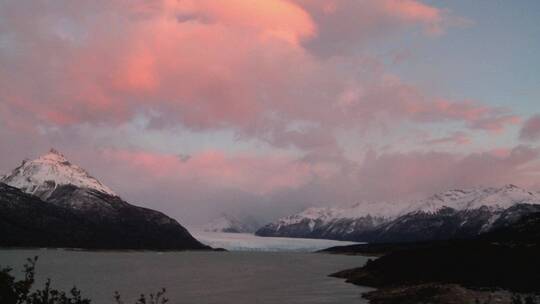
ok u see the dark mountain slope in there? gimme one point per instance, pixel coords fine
(105, 222)
(25, 220)
(56, 203)
(118, 224)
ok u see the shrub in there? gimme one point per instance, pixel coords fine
(20, 292)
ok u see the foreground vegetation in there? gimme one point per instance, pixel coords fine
(13, 291)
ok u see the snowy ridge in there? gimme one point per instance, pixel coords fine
(44, 174)
(384, 210)
(332, 223)
(475, 210)
(470, 199)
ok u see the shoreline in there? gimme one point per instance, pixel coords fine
(113, 250)
(444, 272)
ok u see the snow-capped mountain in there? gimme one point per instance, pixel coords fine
(470, 199)
(229, 224)
(332, 223)
(451, 214)
(326, 223)
(51, 202)
(40, 177)
(382, 210)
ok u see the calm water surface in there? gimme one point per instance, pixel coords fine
(197, 277)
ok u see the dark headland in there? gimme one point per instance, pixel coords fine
(501, 267)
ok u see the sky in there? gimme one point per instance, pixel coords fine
(260, 108)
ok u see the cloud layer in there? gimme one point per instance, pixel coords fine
(246, 65)
(289, 75)
(531, 129)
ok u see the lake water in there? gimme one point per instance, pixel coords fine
(197, 277)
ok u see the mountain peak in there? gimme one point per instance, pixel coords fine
(54, 156)
(55, 152)
(510, 187)
(44, 174)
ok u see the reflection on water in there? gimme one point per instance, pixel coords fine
(197, 277)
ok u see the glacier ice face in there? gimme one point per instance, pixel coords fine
(250, 242)
(382, 210)
(43, 175)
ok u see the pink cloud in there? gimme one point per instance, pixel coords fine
(475, 115)
(274, 18)
(345, 26)
(247, 66)
(401, 175)
(380, 176)
(531, 129)
(249, 173)
(289, 73)
(209, 182)
(401, 101)
(415, 11)
(496, 123)
(500, 152)
(456, 138)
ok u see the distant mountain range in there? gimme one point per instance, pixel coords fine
(230, 224)
(460, 214)
(50, 202)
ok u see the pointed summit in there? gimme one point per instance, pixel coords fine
(43, 175)
(53, 156)
(54, 152)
